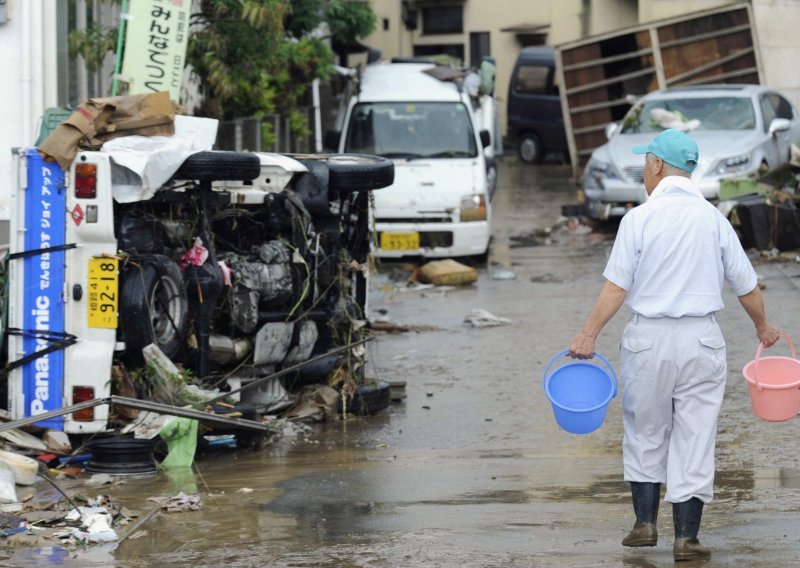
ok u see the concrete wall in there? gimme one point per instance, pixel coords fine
(479, 16)
(650, 10)
(776, 24)
(576, 19)
(28, 50)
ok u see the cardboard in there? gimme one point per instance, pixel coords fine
(99, 120)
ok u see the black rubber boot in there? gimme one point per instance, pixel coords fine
(646, 497)
(687, 517)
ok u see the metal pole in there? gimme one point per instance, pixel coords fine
(123, 16)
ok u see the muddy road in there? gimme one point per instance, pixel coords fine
(471, 470)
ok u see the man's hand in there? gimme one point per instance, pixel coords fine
(767, 335)
(582, 346)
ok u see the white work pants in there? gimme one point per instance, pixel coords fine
(673, 378)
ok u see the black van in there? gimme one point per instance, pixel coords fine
(535, 122)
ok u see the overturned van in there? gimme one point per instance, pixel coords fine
(234, 266)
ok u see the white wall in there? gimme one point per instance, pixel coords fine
(776, 24)
(28, 51)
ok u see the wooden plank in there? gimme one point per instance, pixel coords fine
(709, 66)
(589, 129)
(611, 81)
(601, 105)
(611, 59)
(738, 74)
(705, 36)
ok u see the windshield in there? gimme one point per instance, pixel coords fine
(716, 113)
(411, 130)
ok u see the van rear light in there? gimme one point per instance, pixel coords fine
(85, 181)
(83, 394)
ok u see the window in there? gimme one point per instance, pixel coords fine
(532, 79)
(411, 130)
(454, 50)
(438, 20)
(479, 48)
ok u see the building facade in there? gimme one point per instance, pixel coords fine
(471, 29)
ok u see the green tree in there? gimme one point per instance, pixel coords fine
(255, 57)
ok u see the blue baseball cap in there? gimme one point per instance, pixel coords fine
(674, 147)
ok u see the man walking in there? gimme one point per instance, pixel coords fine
(669, 262)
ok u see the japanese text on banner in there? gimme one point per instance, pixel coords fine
(155, 46)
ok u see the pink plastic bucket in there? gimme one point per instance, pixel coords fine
(774, 385)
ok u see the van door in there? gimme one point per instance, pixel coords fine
(534, 110)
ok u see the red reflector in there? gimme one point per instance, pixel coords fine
(83, 394)
(85, 181)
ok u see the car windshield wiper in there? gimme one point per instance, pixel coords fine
(448, 154)
(408, 155)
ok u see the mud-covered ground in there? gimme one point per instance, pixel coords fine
(471, 470)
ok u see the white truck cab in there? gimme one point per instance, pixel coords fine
(424, 118)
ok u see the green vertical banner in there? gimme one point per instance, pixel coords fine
(157, 32)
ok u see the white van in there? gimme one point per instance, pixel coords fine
(423, 117)
(235, 257)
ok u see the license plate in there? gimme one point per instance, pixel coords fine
(103, 292)
(399, 241)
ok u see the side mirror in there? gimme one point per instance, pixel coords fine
(611, 129)
(486, 138)
(332, 138)
(779, 125)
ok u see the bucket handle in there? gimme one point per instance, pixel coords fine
(603, 359)
(758, 356)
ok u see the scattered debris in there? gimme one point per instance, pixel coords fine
(401, 328)
(180, 503)
(546, 279)
(481, 318)
(503, 275)
(95, 525)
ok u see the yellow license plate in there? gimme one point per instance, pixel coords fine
(103, 292)
(399, 241)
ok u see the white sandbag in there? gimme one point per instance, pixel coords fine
(8, 493)
(23, 467)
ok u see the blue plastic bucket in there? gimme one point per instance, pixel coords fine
(580, 393)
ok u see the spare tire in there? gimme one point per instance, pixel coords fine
(354, 172)
(220, 166)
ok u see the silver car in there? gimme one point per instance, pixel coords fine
(739, 129)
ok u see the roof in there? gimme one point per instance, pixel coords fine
(405, 82)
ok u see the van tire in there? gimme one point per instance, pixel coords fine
(530, 148)
(220, 166)
(354, 172)
(154, 307)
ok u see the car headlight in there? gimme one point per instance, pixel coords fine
(734, 165)
(473, 208)
(601, 171)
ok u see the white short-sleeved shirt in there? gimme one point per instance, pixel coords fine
(674, 252)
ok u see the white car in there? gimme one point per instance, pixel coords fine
(740, 130)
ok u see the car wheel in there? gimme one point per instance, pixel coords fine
(219, 166)
(367, 399)
(354, 172)
(153, 306)
(530, 148)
